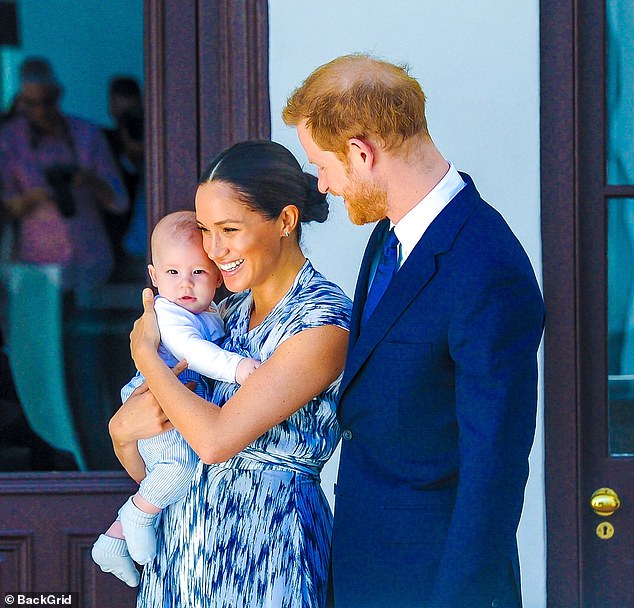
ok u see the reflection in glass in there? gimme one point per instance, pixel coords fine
(620, 216)
(620, 91)
(64, 353)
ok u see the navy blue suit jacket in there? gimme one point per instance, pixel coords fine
(437, 406)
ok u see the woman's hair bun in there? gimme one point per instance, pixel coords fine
(267, 177)
(316, 206)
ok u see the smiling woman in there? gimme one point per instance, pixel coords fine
(266, 181)
(235, 237)
(266, 444)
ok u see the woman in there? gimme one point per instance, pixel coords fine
(254, 529)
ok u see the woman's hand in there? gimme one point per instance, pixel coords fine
(145, 335)
(139, 417)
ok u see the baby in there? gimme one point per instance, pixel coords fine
(186, 281)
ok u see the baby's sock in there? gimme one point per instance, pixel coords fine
(111, 555)
(139, 532)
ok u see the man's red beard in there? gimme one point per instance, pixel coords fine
(366, 202)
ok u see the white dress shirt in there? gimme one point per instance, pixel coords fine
(415, 222)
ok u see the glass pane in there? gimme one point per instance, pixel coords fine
(620, 91)
(70, 274)
(621, 326)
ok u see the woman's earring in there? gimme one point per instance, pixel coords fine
(287, 234)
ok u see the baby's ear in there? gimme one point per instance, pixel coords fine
(152, 272)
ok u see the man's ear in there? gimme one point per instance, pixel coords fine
(152, 272)
(361, 154)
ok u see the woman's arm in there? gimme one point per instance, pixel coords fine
(129, 457)
(139, 417)
(301, 368)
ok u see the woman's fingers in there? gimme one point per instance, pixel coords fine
(145, 335)
(148, 300)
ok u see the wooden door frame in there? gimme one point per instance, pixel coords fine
(560, 249)
(206, 86)
(573, 191)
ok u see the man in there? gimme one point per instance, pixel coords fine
(125, 139)
(128, 231)
(56, 174)
(438, 399)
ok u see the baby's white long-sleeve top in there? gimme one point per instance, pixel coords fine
(185, 335)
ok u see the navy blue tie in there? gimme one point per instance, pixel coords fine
(385, 270)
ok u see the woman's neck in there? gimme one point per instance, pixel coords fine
(267, 295)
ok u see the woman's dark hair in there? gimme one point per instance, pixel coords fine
(267, 178)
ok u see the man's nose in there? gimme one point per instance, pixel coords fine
(322, 184)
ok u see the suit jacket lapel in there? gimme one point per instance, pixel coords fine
(361, 289)
(411, 278)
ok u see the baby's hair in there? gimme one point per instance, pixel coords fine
(179, 225)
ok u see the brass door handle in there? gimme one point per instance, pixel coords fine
(605, 501)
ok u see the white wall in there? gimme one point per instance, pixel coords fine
(478, 63)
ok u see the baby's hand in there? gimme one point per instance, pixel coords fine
(245, 368)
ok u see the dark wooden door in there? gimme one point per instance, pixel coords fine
(49, 523)
(206, 80)
(588, 213)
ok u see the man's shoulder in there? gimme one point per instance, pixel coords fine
(479, 214)
(113, 138)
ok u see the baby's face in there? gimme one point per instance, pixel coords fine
(184, 274)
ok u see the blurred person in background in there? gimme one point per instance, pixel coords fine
(56, 175)
(128, 231)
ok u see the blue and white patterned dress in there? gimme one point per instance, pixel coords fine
(255, 530)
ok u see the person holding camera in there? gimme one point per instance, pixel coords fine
(56, 176)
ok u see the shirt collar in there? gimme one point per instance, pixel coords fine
(415, 222)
